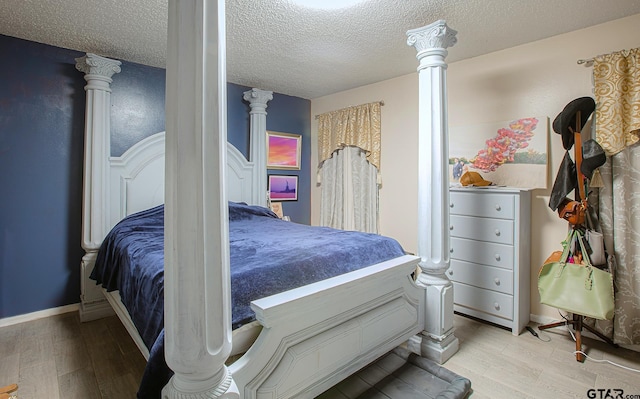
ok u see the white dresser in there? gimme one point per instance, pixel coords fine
(490, 250)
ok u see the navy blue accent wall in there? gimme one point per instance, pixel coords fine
(41, 145)
(238, 126)
(42, 107)
(137, 105)
(289, 114)
(285, 114)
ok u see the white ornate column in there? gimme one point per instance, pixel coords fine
(437, 341)
(258, 102)
(97, 149)
(197, 287)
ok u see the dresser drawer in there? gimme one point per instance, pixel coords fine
(486, 205)
(489, 277)
(486, 253)
(483, 229)
(495, 303)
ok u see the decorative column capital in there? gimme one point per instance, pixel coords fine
(93, 64)
(436, 36)
(258, 98)
(98, 71)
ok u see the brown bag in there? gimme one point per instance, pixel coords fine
(572, 211)
(554, 257)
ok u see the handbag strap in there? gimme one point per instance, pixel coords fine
(566, 244)
(588, 281)
(585, 255)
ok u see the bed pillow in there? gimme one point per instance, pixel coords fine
(240, 211)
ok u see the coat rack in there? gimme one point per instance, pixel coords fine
(578, 320)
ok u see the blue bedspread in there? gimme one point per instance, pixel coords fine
(268, 256)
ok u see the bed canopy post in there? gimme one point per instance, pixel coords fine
(437, 341)
(197, 289)
(95, 219)
(258, 102)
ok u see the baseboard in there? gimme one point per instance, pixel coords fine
(8, 321)
(543, 319)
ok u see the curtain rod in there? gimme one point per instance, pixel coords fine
(381, 104)
(589, 61)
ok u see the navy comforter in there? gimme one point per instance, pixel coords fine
(268, 256)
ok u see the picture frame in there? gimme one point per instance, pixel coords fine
(283, 150)
(510, 153)
(283, 188)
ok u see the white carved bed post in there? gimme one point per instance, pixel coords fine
(437, 341)
(197, 290)
(95, 216)
(258, 102)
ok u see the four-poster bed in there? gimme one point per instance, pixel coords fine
(310, 337)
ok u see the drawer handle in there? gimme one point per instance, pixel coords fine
(497, 232)
(497, 256)
(451, 250)
(497, 281)
(496, 305)
(498, 207)
(451, 205)
(451, 272)
(451, 227)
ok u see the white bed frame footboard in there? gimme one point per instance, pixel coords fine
(316, 335)
(312, 337)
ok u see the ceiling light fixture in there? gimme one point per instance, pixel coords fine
(327, 4)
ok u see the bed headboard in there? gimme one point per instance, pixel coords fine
(114, 187)
(137, 178)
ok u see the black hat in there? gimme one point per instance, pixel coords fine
(566, 181)
(593, 157)
(567, 118)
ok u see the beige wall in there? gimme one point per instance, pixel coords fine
(538, 78)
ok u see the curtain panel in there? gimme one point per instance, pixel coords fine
(349, 195)
(617, 90)
(349, 157)
(617, 94)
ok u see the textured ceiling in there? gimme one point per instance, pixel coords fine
(280, 46)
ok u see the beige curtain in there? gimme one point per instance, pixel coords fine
(617, 92)
(349, 156)
(357, 126)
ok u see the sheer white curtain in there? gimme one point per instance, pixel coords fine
(349, 198)
(349, 154)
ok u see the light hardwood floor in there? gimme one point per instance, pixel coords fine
(59, 357)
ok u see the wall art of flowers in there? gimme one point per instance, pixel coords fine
(511, 153)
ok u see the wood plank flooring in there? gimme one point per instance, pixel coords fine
(59, 357)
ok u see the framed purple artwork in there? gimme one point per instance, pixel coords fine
(283, 188)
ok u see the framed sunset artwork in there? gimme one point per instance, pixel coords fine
(283, 150)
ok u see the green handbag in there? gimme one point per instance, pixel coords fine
(577, 288)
